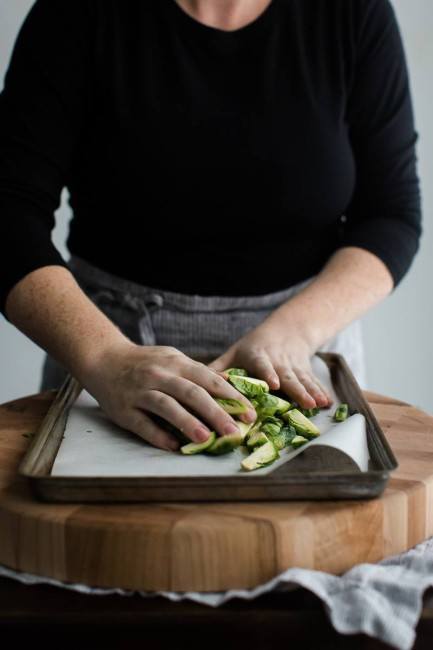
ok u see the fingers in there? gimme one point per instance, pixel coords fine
(304, 388)
(312, 388)
(197, 398)
(139, 423)
(324, 391)
(215, 385)
(171, 410)
(298, 383)
(259, 365)
(262, 368)
(293, 387)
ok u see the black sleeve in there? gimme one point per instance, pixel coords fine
(41, 112)
(384, 216)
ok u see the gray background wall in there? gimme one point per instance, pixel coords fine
(398, 333)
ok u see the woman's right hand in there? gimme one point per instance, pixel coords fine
(132, 381)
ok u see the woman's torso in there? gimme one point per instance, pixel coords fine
(211, 162)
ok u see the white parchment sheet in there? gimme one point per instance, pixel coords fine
(95, 446)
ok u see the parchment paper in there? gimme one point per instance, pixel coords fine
(95, 446)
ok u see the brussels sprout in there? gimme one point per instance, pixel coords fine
(198, 447)
(341, 413)
(278, 442)
(261, 456)
(284, 436)
(257, 440)
(249, 386)
(256, 426)
(270, 427)
(267, 404)
(303, 425)
(273, 419)
(298, 441)
(239, 372)
(309, 413)
(283, 406)
(278, 432)
(271, 404)
(232, 406)
(244, 427)
(225, 444)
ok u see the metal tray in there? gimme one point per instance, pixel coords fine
(318, 473)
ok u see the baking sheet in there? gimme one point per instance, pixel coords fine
(95, 446)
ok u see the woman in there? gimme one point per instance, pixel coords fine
(243, 183)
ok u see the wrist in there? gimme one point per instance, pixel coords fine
(94, 360)
(296, 323)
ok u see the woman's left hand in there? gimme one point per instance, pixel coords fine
(279, 350)
(281, 358)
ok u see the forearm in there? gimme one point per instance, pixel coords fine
(352, 282)
(50, 308)
(130, 382)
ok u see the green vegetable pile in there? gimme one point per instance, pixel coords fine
(279, 424)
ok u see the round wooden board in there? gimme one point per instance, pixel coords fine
(217, 546)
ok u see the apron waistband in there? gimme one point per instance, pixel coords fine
(94, 276)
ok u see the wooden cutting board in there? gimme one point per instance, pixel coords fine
(211, 547)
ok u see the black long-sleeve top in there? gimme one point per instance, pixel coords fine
(207, 161)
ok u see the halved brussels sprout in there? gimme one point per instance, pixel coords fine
(341, 413)
(225, 444)
(232, 406)
(249, 386)
(303, 425)
(310, 413)
(260, 457)
(257, 440)
(239, 372)
(198, 447)
(298, 441)
(284, 437)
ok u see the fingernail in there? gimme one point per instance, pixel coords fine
(201, 433)
(231, 428)
(251, 415)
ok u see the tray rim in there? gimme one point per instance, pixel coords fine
(33, 464)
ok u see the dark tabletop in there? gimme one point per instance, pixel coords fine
(63, 618)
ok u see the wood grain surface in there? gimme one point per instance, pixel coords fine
(217, 546)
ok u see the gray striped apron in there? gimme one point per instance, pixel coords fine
(203, 327)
